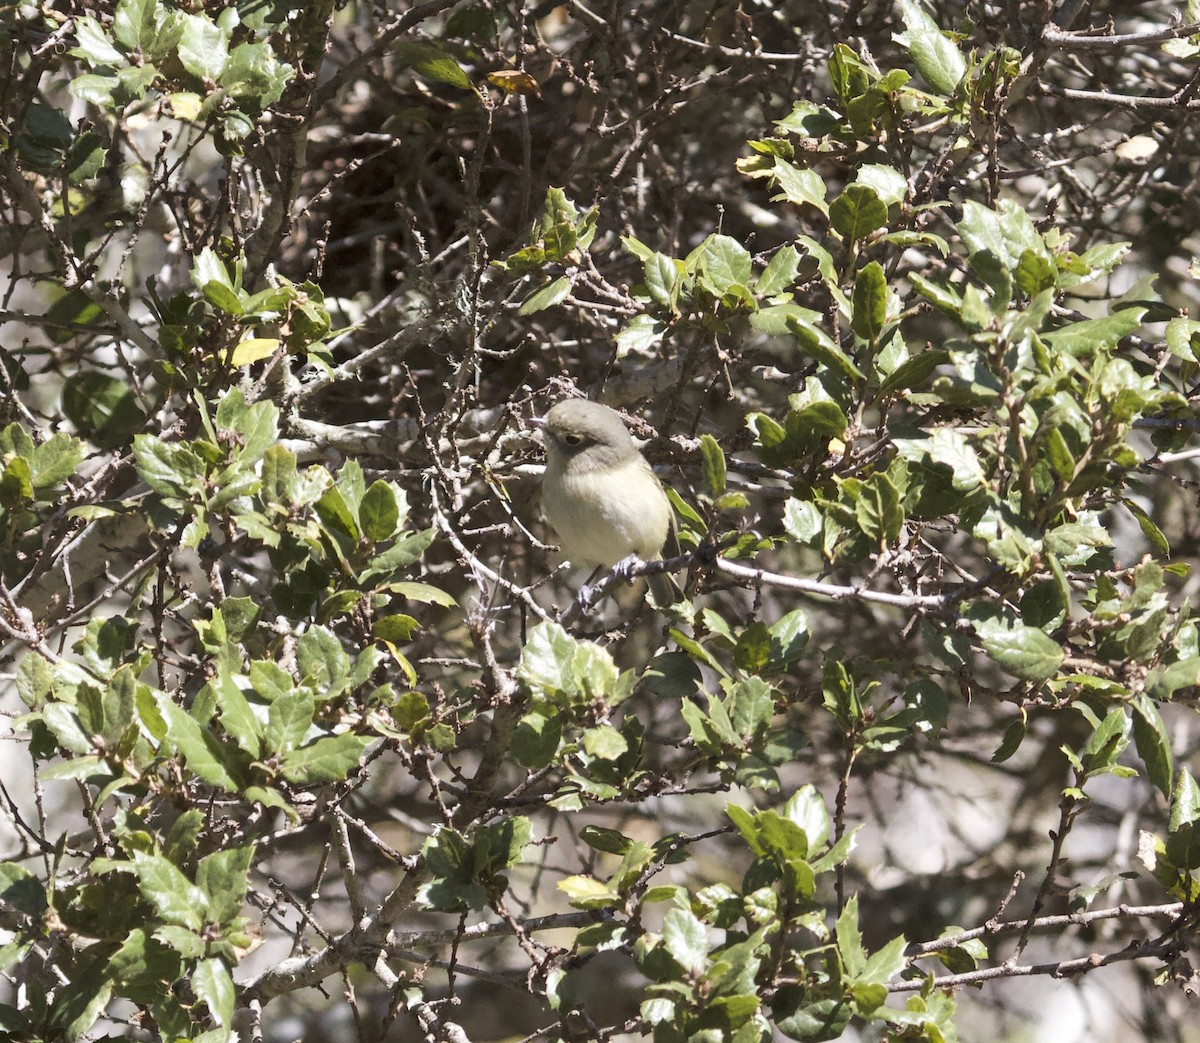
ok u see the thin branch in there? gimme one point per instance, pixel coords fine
(552, 922)
(1123, 101)
(1135, 950)
(951, 941)
(1089, 40)
(836, 591)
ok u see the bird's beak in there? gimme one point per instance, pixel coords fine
(538, 421)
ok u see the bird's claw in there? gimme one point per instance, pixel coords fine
(586, 596)
(624, 569)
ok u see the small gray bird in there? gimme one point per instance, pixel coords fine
(599, 494)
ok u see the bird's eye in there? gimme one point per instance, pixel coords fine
(573, 439)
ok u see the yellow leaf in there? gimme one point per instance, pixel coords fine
(254, 349)
(185, 105)
(401, 661)
(513, 82)
(586, 888)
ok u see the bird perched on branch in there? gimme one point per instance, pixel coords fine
(599, 494)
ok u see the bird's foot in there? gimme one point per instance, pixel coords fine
(590, 592)
(624, 569)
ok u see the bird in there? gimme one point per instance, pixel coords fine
(599, 494)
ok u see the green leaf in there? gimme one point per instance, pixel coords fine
(936, 56)
(203, 47)
(601, 839)
(396, 628)
(411, 709)
(800, 186)
(423, 593)
(134, 81)
(806, 808)
(76, 312)
(686, 939)
(877, 510)
(1183, 337)
(213, 984)
(547, 297)
(809, 1017)
(80, 1000)
(223, 876)
(773, 319)
(85, 157)
(869, 302)
(21, 891)
(884, 964)
(849, 940)
(839, 695)
(605, 742)
(663, 278)
(722, 263)
(174, 897)
(258, 427)
(329, 759)
(585, 892)
(256, 77)
(240, 615)
(640, 335)
(702, 729)
(1154, 535)
(1023, 651)
(236, 716)
(400, 555)
(780, 273)
(886, 182)
(200, 749)
(857, 212)
(16, 482)
(949, 447)
(802, 520)
(1185, 801)
(289, 718)
(1153, 743)
(378, 514)
(96, 90)
(789, 637)
(913, 372)
(1005, 233)
(1089, 337)
(134, 23)
(1164, 681)
(1035, 272)
(553, 664)
(432, 62)
(499, 844)
(753, 650)
(208, 268)
(335, 512)
(322, 660)
(714, 465)
(536, 739)
(1058, 454)
(102, 408)
(94, 44)
(1183, 847)
(820, 346)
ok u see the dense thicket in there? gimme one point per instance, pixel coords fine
(310, 735)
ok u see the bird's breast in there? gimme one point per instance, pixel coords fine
(602, 518)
